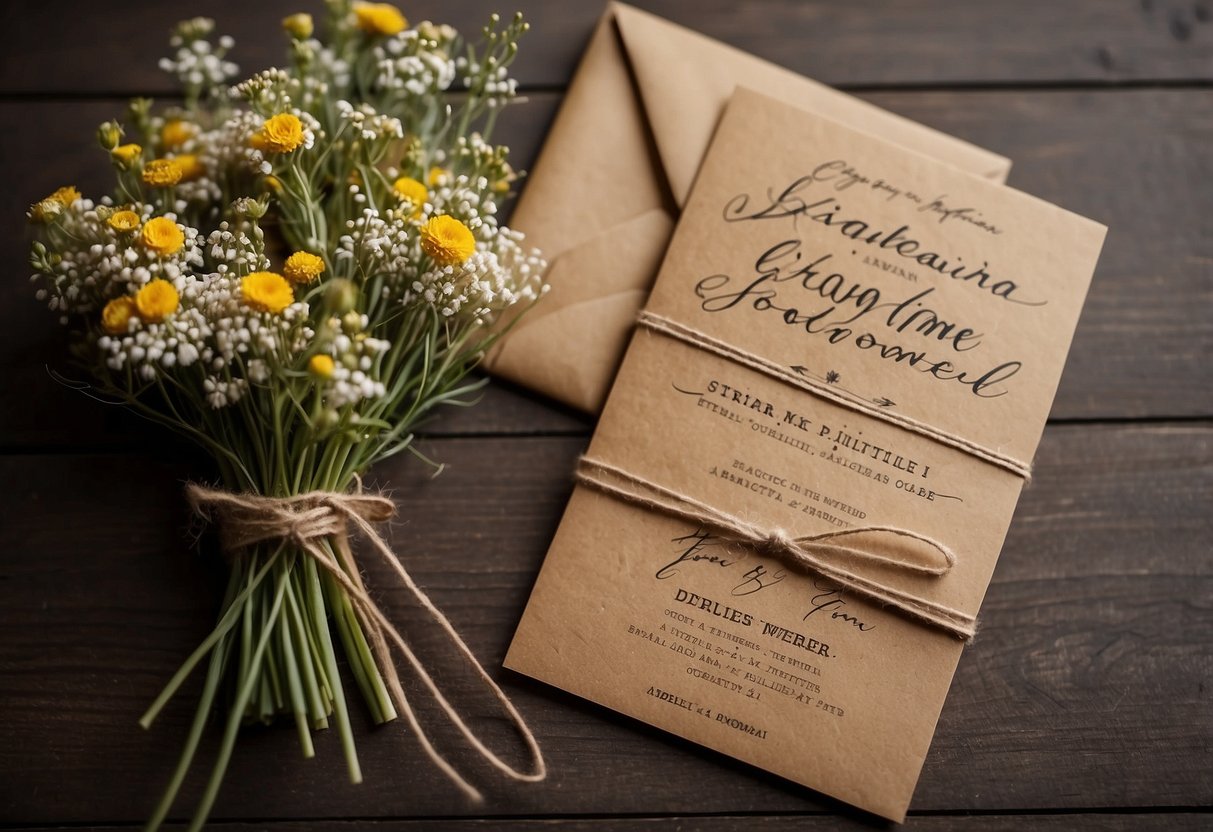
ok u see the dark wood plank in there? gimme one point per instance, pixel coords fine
(1089, 687)
(79, 46)
(1106, 822)
(1126, 158)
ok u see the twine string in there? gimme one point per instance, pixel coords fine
(819, 553)
(695, 338)
(320, 520)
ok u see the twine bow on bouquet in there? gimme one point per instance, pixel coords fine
(293, 272)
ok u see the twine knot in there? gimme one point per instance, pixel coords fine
(318, 523)
(777, 540)
(819, 553)
(246, 519)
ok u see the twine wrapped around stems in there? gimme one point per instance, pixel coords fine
(309, 519)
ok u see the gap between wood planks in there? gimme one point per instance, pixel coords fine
(1097, 85)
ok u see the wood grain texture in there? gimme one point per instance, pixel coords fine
(60, 46)
(1125, 158)
(1088, 688)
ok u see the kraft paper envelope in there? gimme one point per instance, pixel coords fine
(615, 171)
(844, 334)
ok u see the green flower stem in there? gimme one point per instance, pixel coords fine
(242, 698)
(234, 606)
(214, 675)
(272, 698)
(345, 632)
(290, 660)
(315, 603)
(309, 660)
(246, 639)
(359, 654)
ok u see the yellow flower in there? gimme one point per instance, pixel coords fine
(163, 236)
(65, 196)
(266, 292)
(191, 167)
(126, 154)
(447, 240)
(379, 18)
(298, 26)
(123, 221)
(273, 183)
(175, 133)
(52, 206)
(157, 300)
(438, 176)
(45, 210)
(302, 267)
(116, 315)
(321, 365)
(162, 173)
(280, 134)
(410, 189)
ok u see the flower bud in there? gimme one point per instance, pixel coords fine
(351, 322)
(140, 107)
(303, 52)
(341, 296)
(109, 134)
(195, 28)
(299, 25)
(249, 208)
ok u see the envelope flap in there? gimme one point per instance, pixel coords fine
(569, 346)
(685, 78)
(598, 167)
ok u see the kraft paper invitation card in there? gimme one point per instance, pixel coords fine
(802, 478)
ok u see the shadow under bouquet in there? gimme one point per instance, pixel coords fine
(292, 272)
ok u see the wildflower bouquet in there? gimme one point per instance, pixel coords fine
(292, 272)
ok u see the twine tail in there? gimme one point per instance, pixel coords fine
(539, 771)
(377, 624)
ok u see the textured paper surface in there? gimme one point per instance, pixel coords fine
(796, 246)
(615, 171)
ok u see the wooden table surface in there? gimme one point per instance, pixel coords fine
(1087, 701)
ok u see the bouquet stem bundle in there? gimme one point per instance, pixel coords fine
(299, 372)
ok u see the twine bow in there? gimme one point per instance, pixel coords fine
(817, 552)
(308, 519)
